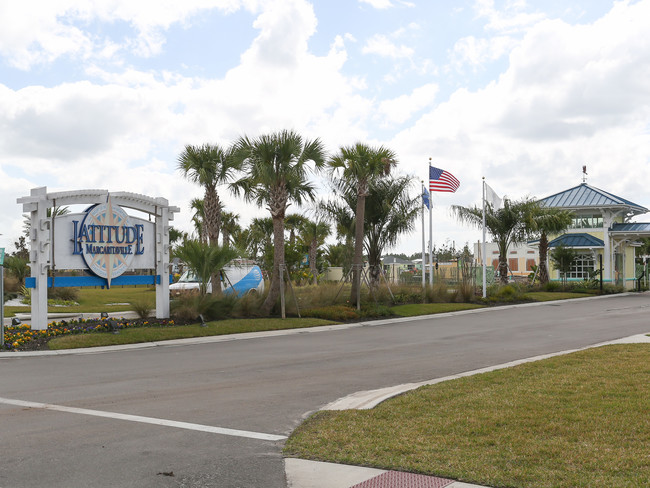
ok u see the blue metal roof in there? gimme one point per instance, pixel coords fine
(584, 196)
(577, 240)
(634, 227)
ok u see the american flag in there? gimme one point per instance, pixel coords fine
(441, 180)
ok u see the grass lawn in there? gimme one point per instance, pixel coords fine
(580, 420)
(413, 310)
(96, 300)
(151, 334)
(545, 296)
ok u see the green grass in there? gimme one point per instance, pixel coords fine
(96, 300)
(152, 334)
(545, 296)
(413, 310)
(580, 420)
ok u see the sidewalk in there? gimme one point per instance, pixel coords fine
(313, 474)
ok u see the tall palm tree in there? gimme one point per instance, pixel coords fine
(276, 168)
(198, 218)
(208, 165)
(547, 221)
(259, 241)
(229, 225)
(390, 212)
(508, 225)
(294, 223)
(361, 164)
(313, 235)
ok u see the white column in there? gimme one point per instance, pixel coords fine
(162, 260)
(608, 267)
(39, 255)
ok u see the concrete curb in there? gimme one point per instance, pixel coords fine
(275, 333)
(364, 400)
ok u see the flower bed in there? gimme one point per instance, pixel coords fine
(23, 338)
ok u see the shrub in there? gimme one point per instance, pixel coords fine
(337, 313)
(142, 307)
(188, 307)
(552, 286)
(375, 311)
(65, 293)
(465, 292)
(11, 284)
(249, 305)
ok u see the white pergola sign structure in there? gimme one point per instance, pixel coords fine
(104, 241)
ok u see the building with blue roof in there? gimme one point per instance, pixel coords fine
(601, 229)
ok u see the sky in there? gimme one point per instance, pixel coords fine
(105, 94)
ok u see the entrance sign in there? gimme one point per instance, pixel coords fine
(104, 241)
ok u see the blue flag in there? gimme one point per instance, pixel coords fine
(425, 197)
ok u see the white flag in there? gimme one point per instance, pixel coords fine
(492, 198)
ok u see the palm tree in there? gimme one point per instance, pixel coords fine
(276, 176)
(259, 240)
(210, 166)
(563, 258)
(229, 226)
(361, 164)
(198, 218)
(508, 225)
(293, 223)
(545, 221)
(313, 235)
(390, 212)
(205, 261)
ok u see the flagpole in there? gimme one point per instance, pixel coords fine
(430, 229)
(484, 256)
(423, 240)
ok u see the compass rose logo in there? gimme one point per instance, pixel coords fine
(109, 240)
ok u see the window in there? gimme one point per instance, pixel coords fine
(513, 264)
(529, 264)
(586, 222)
(582, 266)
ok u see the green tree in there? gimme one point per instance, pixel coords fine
(210, 166)
(545, 221)
(313, 234)
(361, 165)
(389, 212)
(198, 218)
(508, 225)
(229, 226)
(294, 223)
(205, 261)
(563, 258)
(18, 266)
(259, 241)
(276, 168)
(338, 255)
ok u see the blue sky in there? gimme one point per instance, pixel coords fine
(97, 94)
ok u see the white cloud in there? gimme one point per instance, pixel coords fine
(35, 32)
(380, 4)
(402, 108)
(381, 45)
(572, 95)
(476, 52)
(512, 18)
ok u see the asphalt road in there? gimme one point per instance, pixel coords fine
(257, 386)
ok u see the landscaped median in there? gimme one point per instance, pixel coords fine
(82, 333)
(579, 420)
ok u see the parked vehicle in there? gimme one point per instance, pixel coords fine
(237, 277)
